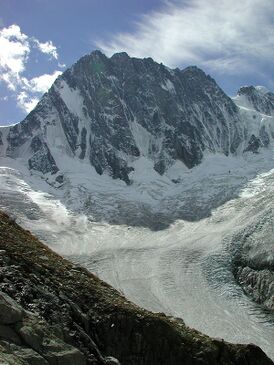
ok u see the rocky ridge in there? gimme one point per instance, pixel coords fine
(109, 112)
(258, 98)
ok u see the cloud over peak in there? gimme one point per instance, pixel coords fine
(226, 36)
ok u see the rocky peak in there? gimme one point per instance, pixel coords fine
(119, 56)
(108, 112)
(258, 98)
(246, 90)
(195, 71)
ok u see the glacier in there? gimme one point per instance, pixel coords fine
(183, 270)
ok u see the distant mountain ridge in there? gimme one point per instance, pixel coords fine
(258, 98)
(111, 111)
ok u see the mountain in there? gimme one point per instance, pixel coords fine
(47, 319)
(109, 112)
(159, 183)
(258, 98)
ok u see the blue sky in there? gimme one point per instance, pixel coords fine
(232, 41)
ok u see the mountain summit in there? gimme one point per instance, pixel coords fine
(110, 112)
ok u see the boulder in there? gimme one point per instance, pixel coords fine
(111, 361)
(10, 311)
(9, 335)
(28, 355)
(42, 338)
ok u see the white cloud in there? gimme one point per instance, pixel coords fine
(15, 50)
(223, 35)
(11, 79)
(62, 65)
(14, 31)
(31, 89)
(48, 48)
(26, 102)
(42, 83)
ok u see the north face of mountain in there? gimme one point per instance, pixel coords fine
(111, 111)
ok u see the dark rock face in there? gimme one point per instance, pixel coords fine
(253, 260)
(178, 107)
(68, 316)
(10, 311)
(261, 101)
(259, 284)
(83, 144)
(253, 144)
(23, 132)
(42, 159)
(264, 137)
(110, 111)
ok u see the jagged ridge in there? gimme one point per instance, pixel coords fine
(111, 111)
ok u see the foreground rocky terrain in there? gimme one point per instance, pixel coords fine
(53, 312)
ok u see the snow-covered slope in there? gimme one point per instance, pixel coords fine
(184, 270)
